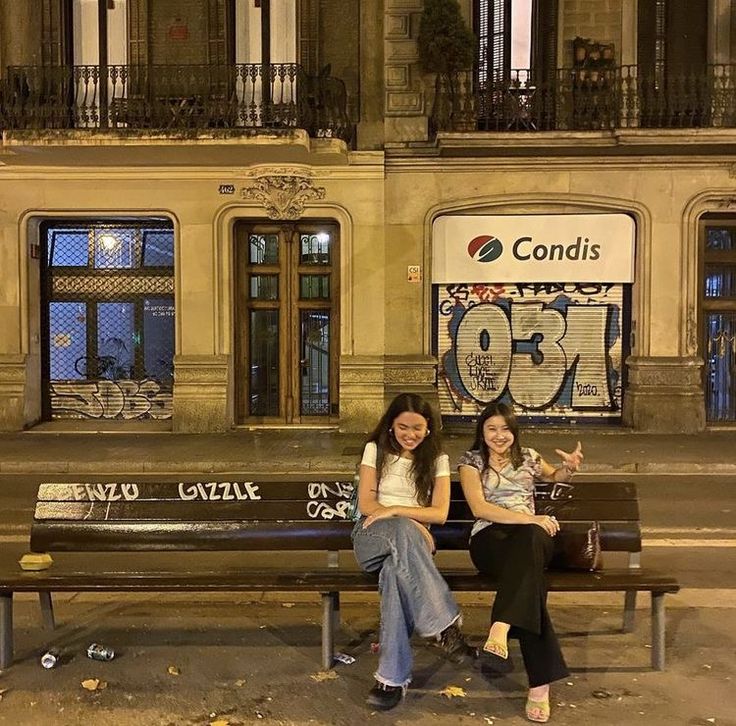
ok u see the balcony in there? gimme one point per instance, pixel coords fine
(574, 99)
(247, 98)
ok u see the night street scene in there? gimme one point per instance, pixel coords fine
(367, 361)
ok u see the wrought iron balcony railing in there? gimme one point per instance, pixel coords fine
(243, 96)
(574, 99)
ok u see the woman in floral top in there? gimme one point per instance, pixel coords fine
(497, 477)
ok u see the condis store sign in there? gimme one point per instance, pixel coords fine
(533, 248)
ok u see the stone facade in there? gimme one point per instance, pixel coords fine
(383, 190)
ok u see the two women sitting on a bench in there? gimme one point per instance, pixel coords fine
(404, 488)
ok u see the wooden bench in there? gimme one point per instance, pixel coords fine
(283, 514)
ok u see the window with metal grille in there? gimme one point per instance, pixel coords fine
(108, 319)
(718, 305)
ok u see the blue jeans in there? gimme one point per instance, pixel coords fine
(414, 596)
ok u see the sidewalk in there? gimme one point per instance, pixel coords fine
(301, 450)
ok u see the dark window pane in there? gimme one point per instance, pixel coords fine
(315, 249)
(158, 340)
(67, 340)
(263, 249)
(158, 248)
(720, 281)
(315, 362)
(720, 353)
(264, 287)
(69, 248)
(719, 238)
(264, 363)
(314, 287)
(115, 248)
(115, 340)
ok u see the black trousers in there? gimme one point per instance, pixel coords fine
(516, 555)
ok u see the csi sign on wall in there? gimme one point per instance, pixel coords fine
(530, 310)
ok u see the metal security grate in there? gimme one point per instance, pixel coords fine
(109, 319)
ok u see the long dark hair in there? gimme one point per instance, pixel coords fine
(424, 455)
(508, 415)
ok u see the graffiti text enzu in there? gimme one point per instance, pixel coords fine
(111, 492)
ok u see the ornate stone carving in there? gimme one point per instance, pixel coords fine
(283, 195)
(727, 203)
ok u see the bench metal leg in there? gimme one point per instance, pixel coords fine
(629, 610)
(658, 631)
(328, 629)
(6, 629)
(47, 610)
(336, 621)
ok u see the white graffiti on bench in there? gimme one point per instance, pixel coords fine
(103, 399)
(318, 492)
(111, 492)
(214, 491)
(327, 500)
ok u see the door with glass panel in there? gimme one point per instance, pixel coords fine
(287, 322)
(718, 318)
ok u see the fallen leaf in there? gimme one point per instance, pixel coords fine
(94, 684)
(173, 671)
(452, 692)
(240, 683)
(320, 676)
(220, 722)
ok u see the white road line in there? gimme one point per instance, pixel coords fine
(671, 542)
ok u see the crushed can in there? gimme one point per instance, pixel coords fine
(100, 652)
(50, 659)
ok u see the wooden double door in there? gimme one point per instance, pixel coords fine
(287, 322)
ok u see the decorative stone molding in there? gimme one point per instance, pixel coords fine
(12, 391)
(201, 393)
(404, 97)
(665, 394)
(283, 192)
(412, 374)
(361, 392)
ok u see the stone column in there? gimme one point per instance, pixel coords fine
(201, 373)
(20, 33)
(405, 118)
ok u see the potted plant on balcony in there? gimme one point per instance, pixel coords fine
(447, 48)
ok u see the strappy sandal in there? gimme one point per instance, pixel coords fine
(497, 648)
(494, 657)
(537, 711)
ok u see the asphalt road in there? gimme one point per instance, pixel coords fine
(688, 523)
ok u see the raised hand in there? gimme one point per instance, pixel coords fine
(572, 461)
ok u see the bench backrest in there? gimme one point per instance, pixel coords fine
(277, 513)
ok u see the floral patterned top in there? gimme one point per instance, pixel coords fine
(509, 488)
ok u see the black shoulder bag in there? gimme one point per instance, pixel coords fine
(578, 543)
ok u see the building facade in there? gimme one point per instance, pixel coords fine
(224, 212)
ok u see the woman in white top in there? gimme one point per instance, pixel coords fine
(404, 488)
